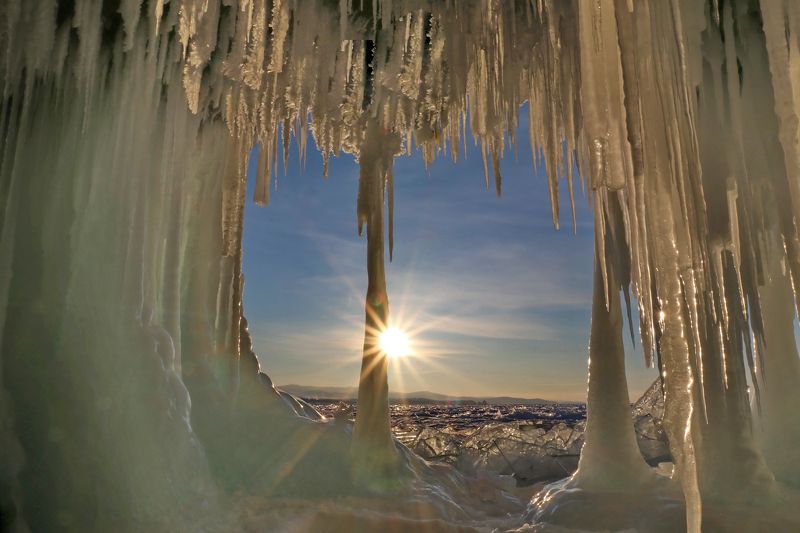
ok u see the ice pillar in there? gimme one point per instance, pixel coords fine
(372, 438)
(610, 458)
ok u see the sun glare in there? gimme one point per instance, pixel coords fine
(394, 342)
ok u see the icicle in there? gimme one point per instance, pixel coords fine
(261, 194)
(496, 169)
(390, 187)
(485, 165)
(129, 9)
(602, 98)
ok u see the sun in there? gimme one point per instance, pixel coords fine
(394, 342)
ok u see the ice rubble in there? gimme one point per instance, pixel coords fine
(531, 444)
(126, 127)
(527, 452)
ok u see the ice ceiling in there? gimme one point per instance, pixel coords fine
(127, 375)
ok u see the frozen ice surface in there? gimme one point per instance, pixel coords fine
(528, 452)
(532, 443)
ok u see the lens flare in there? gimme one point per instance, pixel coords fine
(394, 342)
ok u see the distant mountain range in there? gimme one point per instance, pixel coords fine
(350, 393)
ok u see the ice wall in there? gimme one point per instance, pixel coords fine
(122, 340)
(125, 131)
(107, 182)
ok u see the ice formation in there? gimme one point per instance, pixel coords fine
(372, 437)
(610, 458)
(130, 395)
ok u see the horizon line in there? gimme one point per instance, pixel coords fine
(454, 396)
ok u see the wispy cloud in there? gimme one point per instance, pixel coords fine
(496, 291)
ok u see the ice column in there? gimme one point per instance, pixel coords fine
(610, 458)
(373, 444)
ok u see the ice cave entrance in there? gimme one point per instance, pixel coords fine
(472, 276)
(482, 283)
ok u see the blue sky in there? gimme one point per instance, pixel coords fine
(497, 299)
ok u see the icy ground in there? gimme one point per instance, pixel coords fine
(493, 469)
(531, 443)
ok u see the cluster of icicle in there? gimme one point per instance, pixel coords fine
(681, 115)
